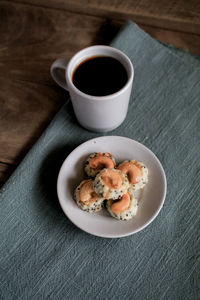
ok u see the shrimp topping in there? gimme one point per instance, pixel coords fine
(112, 179)
(101, 161)
(122, 204)
(133, 170)
(87, 193)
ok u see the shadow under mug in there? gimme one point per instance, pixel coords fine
(96, 113)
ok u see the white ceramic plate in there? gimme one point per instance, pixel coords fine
(102, 224)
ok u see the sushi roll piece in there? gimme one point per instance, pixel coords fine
(86, 198)
(136, 172)
(111, 183)
(124, 208)
(98, 161)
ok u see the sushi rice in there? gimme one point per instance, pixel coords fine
(127, 214)
(91, 172)
(89, 206)
(144, 178)
(107, 192)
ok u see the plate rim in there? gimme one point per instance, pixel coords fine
(136, 230)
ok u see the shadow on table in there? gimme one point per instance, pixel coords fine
(107, 32)
(48, 176)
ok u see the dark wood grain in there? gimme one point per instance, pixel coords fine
(185, 41)
(31, 38)
(181, 15)
(25, 112)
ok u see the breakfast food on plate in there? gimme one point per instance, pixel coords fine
(111, 183)
(136, 172)
(86, 198)
(123, 208)
(98, 161)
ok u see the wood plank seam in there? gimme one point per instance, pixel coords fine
(8, 164)
(168, 23)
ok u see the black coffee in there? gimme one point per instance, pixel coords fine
(100, 76)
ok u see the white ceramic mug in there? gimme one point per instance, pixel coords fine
(96, 113)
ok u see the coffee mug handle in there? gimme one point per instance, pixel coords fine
(58, 64)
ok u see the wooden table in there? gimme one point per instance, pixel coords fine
(33, 33)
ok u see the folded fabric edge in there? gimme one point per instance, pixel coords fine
(32, 149)
(185, 56)
(129, 24)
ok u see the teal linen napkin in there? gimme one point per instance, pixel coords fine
(44, 256)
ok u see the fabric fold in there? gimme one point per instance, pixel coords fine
(43, 255)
